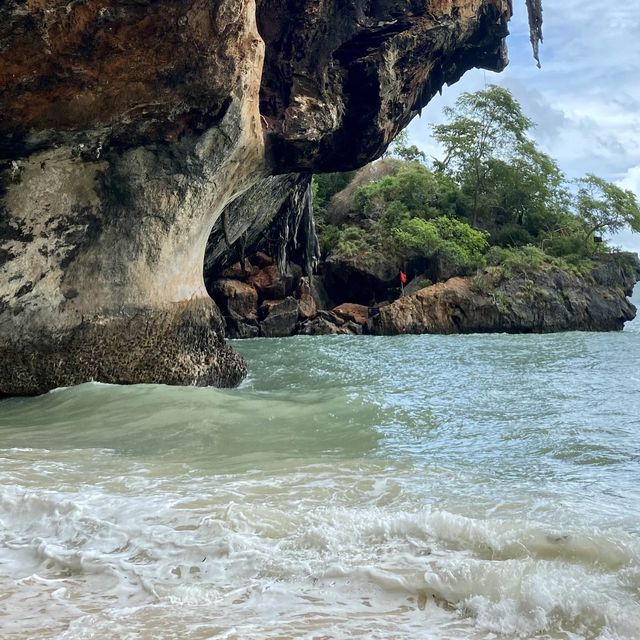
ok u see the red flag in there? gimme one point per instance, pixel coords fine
(403, 277)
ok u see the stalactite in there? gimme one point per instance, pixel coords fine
(296, 230)
(311, 249)
(283, 242)
(534, 9)
(225, 227)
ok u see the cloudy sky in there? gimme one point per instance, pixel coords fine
(585, 99)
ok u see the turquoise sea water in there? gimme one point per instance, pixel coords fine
(439, 487)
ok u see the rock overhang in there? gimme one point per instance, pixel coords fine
(366, 69)
(130, 126)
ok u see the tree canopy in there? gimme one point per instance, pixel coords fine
(493, 187)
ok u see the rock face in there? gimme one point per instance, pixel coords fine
(362, 69)
(130, 130)
(280, 317)
(362, 280)
(549, 300)
(181, 346)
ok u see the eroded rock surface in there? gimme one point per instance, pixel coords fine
(546, 301)
(130, 129)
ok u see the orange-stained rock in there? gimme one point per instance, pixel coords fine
(271, 285)
(130, 129)
(435, 309)
(236, 297)
(541, 301)
(236, 272)
(265, 277)
(306, 303)
(349, 311)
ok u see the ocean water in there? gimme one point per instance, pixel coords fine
(432, 487)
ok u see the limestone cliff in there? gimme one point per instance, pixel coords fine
(129, 127)
(544, 301)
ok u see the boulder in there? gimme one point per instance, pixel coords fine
(354, 328)
(331, 317)
(236, 327)
(265, 281)
(271, 284)
(236, 272)
(235, 297)
(351, 312)
(280, 317)
(320, 326)
(262, 260)
(306, 302)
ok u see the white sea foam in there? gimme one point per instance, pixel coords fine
(165, 556)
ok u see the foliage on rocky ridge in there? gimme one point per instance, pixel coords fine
(495, 197)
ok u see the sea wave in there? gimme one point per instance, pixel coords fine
(191, 559)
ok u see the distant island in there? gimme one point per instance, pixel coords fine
(492, 238)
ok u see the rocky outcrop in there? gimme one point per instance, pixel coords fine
(363, 279)
(548, 300)
(262, 302)
(361, 70)
(350, 312)
(130, 129)
(180, 345)
(538, 300)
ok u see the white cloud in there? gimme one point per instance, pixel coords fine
(631, 180)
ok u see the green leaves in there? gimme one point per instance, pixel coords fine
(414, 188)
(494, 186)
(456, 240)
(483, 125)
(606, 207)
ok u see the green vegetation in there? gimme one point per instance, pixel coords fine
(605, 207)
(495, 200)
(446, 237)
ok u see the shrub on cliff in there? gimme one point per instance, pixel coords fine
(354, 241)
(451, 239)
(528, 260)
(325, 186)
(413, 190)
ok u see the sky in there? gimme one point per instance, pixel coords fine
(585, 100)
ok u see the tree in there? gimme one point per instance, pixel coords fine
(444, 236)
(529, 191)
(325, 186)
(604, 207)
(484, 126)
(401, 149)
(413, 189)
